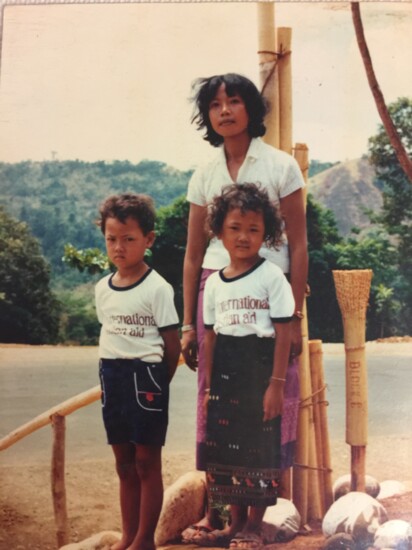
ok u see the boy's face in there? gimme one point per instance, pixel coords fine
(228, 114)
(125, 243)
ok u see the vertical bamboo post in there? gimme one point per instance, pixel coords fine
(352, 290)
(321, 424)
(324, 429)
(269, 79)
(285, 89)
(57, 479)
(305, 419)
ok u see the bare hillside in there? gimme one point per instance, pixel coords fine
(347, 189)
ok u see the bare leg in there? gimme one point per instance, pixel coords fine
(254, 520)
(129, 488)
(149, 471)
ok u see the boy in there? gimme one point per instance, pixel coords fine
(139, 349)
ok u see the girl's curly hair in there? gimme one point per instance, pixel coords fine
(247, 197)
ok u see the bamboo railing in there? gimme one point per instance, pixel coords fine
(55, 416)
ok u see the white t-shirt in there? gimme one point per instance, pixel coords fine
(275, 170)
(249, 303)
(133, 317)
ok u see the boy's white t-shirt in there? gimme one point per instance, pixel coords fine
(132, 318)
(250, 303)
(274, 170)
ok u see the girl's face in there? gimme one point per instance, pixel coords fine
(228, 115)
(243, 234)
(126, 243)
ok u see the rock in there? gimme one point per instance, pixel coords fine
(395, 533)
(281, 522)
(342, 486)
(340, 541)
(390, 488)
(100, 541)
(356, 514)
(183, 504)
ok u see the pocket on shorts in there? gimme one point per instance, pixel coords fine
(151, 387)
(102, 385)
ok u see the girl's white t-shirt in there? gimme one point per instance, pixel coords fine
(275, 170)
(250, 303)
(132, 318)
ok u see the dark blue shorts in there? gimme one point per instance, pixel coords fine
(135, 401)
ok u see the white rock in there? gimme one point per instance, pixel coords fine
(395, 533)
(100, 541)
(183, 504)
(342, 486)
(281, 522)
(357, 514)
(390, 488)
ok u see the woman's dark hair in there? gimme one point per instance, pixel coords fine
(128, 205)
(247, 197)
(205, 90)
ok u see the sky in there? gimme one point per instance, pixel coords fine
(113, 81)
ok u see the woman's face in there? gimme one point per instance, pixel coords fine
(228, 115)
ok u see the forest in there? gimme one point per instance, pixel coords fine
(52, 253)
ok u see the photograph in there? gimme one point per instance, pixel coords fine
(216, 197)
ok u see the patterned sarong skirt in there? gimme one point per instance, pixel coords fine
(243, 452)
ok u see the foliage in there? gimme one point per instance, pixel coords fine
(59, 200)
(323, 309)
(92, 260)
(396, 215)
(78, 322)
(29, 311)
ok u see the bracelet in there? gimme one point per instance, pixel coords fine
(298, 314)
(277, 378)
(188, 328)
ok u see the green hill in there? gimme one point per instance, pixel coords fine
(59, 199)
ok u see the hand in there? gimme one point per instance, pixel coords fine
(296, 344)
(189, 349)
(273, 400)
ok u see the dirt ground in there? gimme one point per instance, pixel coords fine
(26, 512)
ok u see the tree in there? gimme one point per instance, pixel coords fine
(396, 214)
(29, 312)
(395, 139)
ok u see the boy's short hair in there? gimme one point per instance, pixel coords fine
(205, 90)
(128, 205)
(248, 197)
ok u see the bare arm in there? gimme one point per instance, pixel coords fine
(293, 212)
(273, 398)
(192, 265)
(171, 350)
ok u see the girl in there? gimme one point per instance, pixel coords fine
(230, 110)
(245, 305)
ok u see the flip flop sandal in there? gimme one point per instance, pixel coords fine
(190, 534)
(213, 539)
(246, 541)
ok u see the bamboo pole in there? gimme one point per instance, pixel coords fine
(63, 409)
(321, 424)
(352, 290)
(57, 480)
(315, 348)
(305, 428)
(285, 89)
(268, 58)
